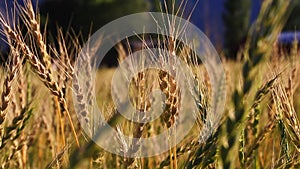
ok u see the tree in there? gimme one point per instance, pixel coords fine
(81, 14)
(87, 16)
(236, 20)
(293, 23)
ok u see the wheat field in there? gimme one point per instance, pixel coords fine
(40, 127)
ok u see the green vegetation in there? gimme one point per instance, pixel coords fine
(236, 20)
(84, 14)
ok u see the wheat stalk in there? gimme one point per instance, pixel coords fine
(41, 70)
(286, 112)
(257, 49)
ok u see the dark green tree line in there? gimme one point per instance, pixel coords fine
(236, 18)
(81, 14)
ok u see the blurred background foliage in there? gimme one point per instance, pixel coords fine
(293, 23)
(225, 22)
(86, 15)
(89, 15)
(236, 18)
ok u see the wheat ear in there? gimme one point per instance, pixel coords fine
(11, 75)
(142, 105)
(42, 72)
